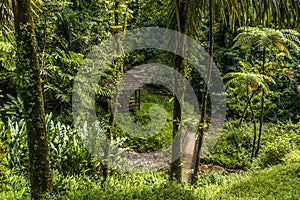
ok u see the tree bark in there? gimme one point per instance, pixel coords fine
(118, 67)
(30, 87)
(245, 109)
(201, 129)
(261, 121)
(181, 8)
(254, 132)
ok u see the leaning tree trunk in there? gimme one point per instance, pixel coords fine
(254, 132)
(245, 109)
(262, 106)
(253, 120)
(30, 87)
(201, 129)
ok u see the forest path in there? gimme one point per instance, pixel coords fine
(188, 156)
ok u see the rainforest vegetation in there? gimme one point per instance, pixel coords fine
(47, 147)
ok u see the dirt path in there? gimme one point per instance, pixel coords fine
(189, 141)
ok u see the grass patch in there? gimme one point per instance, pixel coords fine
(280, 182)
(148, 134)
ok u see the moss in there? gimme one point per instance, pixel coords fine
(30, 88)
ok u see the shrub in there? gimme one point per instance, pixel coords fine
(233, 148)
(292, 157)
(274, 151)
(67, 153)
(4, 171)
(277, 142)
(149, 134)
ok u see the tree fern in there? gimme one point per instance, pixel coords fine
(268, 38)
(254, 81)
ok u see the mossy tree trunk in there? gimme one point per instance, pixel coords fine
(176, 166)
(182, 17)
(118, 70)
(30, 87)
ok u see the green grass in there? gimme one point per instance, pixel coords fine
(278, 182)
(151, 137)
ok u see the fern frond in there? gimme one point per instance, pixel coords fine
(268, 38)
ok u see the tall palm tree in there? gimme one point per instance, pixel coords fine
(266, 40)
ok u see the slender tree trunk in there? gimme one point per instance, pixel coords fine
(177, 165)
(245, 109)
(262, 107)
(31, 90)
(116, 14)
(112, 113)
(202, 128)
(254, 127)
(201, 131)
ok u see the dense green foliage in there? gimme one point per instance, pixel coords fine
(233, 149)
(67, 154)
(254, 44)
(252, 185)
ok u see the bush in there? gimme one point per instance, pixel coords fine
(233, 149)
(14, 138)
(277, 142)
(147, 134)
(67, 153)
(4, 171)
(292, 157)
(274, 151)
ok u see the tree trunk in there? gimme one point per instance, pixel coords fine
(119, 71)
(262, 106)
(176, 166)
(181, 8)
(201, 129)
(30, 87)
(254, 123)
(245, 109)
